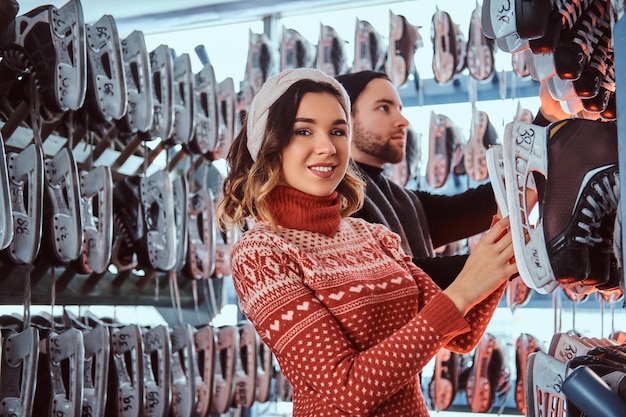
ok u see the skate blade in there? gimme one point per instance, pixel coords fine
(26, 178)
(63, 187)
(96, 186)
(106, 70)
(524, 152)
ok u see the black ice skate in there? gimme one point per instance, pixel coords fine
(519, 18)
(404, 40)
(578, 192)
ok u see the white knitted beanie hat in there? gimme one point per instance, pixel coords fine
(271, 91)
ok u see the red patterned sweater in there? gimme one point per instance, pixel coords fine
(350, 319)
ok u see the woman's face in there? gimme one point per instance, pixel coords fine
(316, 158)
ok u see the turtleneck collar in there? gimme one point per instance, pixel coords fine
(371, 170)
(294, 209)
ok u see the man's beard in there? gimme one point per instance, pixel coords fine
(373, 144)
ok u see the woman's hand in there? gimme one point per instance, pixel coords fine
(489, 265)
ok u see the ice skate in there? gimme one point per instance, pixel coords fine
(140, 109)
(156, 351)
(125, 393)
(261, 60)
(106, 87)
(523, 19)
(482, 136)
(525, 345)
(63, 207)
(545, 375)
(443, 38)
(180, 195)
(557, 249)
(18, 366)
(485, 377)
(480, 49)
(204, 346)
(370, 50)
(404, 40)
(202, 235)
(444, 385)
(226, 101)
(162, 70)
(6, 212)
(331, 52)
(296, 51)
(264, 372)
(183, 102)
(224, 369)
(205, 108)
(26, 181)
(96, 196)
(183, 369)
(443, 135)
(244, 379)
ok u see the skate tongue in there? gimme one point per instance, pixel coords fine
(156, 369)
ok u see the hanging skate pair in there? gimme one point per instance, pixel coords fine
(571, 169)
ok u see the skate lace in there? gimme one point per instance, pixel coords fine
(603, 201)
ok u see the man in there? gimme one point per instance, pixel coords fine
(424, 221)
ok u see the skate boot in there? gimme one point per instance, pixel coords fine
(96, 196)
(162, 70)
(404, 40)
(519, 65)
(480, 50)
(140, 109)
(369, 49)
(244, 379)
(125, 394)
(574, 197)
(483, 135)
(261, 61)
(205, 107)
(157, 348)
(295, 50)
(106, 88)
(51, 43)
(545, 374)
(331, 52)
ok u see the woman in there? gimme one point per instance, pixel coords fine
(350, 319)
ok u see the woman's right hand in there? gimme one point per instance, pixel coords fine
(489, 266)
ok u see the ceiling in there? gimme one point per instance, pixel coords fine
(167, 15)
